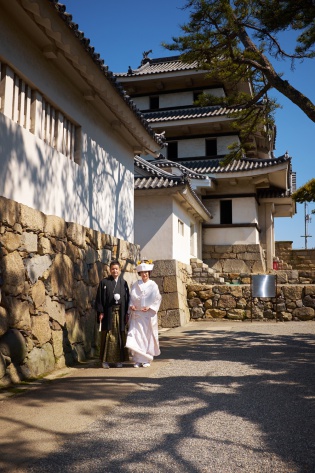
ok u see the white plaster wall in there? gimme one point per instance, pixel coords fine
(244, 210)
(153, 226)
(177, 99)
(181, 250)
(232, 236)
(99, 192)
(197, 147)
(156, 228)
(143, 103)
(224, 141)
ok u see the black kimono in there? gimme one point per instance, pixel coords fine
(113, 335)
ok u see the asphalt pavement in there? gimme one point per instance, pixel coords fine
(223, 397)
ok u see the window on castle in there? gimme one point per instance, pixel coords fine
(154, 102)
(172, 150)
(211, 147)
(180, 227)
(31, 110)
(226, 211)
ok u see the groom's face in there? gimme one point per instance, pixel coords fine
(115, 270)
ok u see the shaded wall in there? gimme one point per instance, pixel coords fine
(50, 270)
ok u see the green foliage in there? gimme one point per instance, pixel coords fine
(230, 40)
(297, 15)
(305, 193)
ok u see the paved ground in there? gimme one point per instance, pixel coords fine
(223, 397)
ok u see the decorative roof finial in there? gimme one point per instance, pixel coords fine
(145, 56)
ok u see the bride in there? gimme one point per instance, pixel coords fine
(144, 303)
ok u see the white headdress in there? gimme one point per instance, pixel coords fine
(144, 265)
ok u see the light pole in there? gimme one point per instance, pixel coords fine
(307, 220)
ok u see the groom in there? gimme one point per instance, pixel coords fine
(111, 305)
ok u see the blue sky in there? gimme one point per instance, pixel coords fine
(121, 30)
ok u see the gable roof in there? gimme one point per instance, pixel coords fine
(158, 66)
(212, 165)
(149, 175)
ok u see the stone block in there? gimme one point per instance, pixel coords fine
(41, 329)
(36, 266)
(285, 316)
(170, 284)
(80, 293)
(223, 249)
(74, 329)
(40, 361)
(12, 345)
(56, 311)
(170, 319)
(195, 302)
(19, 313)
(45, 246)
(3, 366)
(9, 212)
(38, 294)
(104, 256)
(197, 313)
(55, 226)
(76, 233)
(57, 343)
(234, 266)
(62, 276)
(292, 292)
(304, 313)
(226, 301)
(10, 241)
(215, 314)
(235, 314)
(4, 320)
(164, 268)
(90, 255)
(29, 242)
(170, 301)
(32, 219)
(13, 273)
(309, 290)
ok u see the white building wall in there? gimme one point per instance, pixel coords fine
(161, 239)
(143, 103)
(244, 210)
(233, 236)
(176, 99)
(98, 192)
(154, 226)
(197, 147)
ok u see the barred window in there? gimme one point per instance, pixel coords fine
(32, 111)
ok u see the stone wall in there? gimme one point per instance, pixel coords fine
(235, 302)
(50, 270)
(301, 260)
(172, 277)
(234, 258)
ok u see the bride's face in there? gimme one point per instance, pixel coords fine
(144, 276)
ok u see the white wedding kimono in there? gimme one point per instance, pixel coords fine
(142, 338)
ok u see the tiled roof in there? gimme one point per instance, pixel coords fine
(187, 113)
(160, 65)
(156, 168)
(208, 165)
(150, 168)
(163, 163)
(85, 42)
(160, 179)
